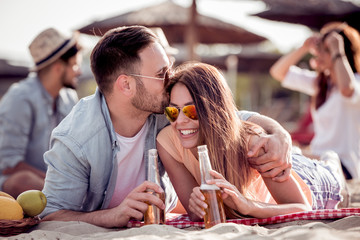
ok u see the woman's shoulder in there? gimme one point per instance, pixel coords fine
(171, 143)
(167, 138)
(166, 132)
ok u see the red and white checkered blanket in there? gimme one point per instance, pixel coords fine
(183, 221)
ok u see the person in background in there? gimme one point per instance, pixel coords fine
(334, 88)
(202, 112)
(99, 152)
(32, 108)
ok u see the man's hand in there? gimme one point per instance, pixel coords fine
(132, 207)
(275, 162)
(135, 204)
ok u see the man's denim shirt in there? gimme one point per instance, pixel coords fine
(27, 120)
(82, 165)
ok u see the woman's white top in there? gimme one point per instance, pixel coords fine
(336, 122)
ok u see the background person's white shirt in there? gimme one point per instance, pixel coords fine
(336, 122)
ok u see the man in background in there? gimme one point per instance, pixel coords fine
(32, 108)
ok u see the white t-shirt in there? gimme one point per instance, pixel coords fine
(336, 122)
(131, 165)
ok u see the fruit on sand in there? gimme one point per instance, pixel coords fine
(10, 209)
(32, 202)
(4, 194)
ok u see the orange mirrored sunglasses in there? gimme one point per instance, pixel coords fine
(172, 113)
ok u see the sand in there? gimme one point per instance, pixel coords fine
(345, 228)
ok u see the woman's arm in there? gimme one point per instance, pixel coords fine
(288, 191)
(288, 195)
(237, 201)
(342, 73)
(180, 177)
(281, 66)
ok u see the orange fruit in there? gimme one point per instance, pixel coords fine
(4, 194)
(10, 209)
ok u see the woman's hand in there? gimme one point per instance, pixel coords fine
(197, 203)
(335, 43)
(311, 44)
(231, 195)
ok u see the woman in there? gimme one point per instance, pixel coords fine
(334, 88)
(202, 111)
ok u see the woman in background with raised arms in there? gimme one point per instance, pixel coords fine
(202, 111)
(334, 88)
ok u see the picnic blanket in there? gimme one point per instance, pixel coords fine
(183, 221)
(312, 225)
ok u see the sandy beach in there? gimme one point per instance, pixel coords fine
(347, 228)
(343, 228)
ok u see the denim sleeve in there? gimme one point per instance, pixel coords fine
(15, 125)
(245, 115)
(67, 177)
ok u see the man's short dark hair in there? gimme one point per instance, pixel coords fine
(117, 53)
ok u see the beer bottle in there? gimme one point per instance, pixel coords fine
(153, 214)
(214, 213)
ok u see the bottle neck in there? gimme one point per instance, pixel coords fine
(205, 165)
(153, 170)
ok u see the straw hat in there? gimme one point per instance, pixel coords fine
(164, 42)
(49, 46)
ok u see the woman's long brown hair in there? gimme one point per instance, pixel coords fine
(220, 128)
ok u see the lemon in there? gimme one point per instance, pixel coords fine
(4, 194)
(10, 209)
(33, 202)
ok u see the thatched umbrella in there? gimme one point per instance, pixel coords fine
(313, 13)
(11, 73)
(9, 70)
(180, 25)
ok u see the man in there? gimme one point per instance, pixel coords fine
(96, 164)
(31, 109)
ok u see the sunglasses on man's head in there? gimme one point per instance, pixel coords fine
(165, 78)
(172, 113)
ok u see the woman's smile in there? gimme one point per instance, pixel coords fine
(187, 132)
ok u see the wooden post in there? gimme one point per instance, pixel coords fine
(191, 38)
